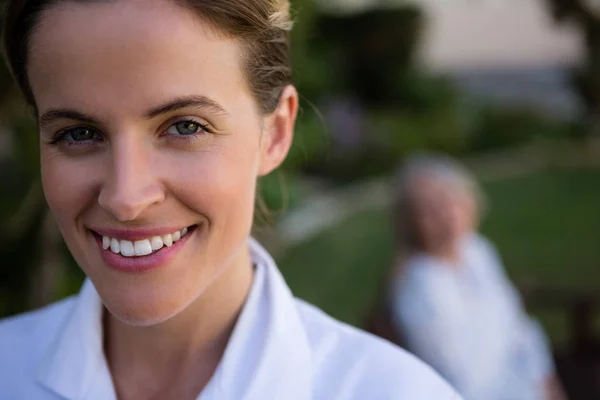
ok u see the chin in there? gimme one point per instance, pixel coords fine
(138, 306)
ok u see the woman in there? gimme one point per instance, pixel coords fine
(156, 118)
(451, 300)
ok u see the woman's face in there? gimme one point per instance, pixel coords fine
(148, 129)
(442, 215)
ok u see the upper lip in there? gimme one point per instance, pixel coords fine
(133, 234)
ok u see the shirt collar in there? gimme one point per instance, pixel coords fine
(268, 354)
(76, 357)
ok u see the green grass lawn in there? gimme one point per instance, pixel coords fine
(546, 226)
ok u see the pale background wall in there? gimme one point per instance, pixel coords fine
(503, 51)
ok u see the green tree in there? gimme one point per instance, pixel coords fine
(586, 15)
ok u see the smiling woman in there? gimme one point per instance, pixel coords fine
(155, 120)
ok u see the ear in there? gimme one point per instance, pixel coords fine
(278, 132)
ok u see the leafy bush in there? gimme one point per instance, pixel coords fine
(497, 128)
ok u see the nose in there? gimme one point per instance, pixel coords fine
(132, 185)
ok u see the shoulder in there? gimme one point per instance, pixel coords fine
(477, 242)
(25, 338)
(482, 255)
(350, 361)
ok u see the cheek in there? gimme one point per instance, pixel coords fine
(68, 185)
(458, 219)
(424, 226)
(431, 228)
(220, 182)
(214, 187)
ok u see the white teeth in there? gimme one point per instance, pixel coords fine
(142, 247)
(114, 246)
(127, 249)
(157, 243)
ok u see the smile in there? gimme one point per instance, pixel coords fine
(141, 250)
(142, 247)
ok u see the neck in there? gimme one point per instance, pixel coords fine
(188, 345)
(449, 254)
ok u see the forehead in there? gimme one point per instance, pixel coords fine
(439, 189)
(430, 187)
(124, 55)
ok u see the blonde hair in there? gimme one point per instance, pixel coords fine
(263, 26)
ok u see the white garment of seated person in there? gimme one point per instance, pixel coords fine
(281, 348)
(468, 322)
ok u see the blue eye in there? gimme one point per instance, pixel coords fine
(78, 135)
(81, 134)
(186, 128)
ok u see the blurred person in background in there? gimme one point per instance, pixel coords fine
(451, 302)
(156, 119)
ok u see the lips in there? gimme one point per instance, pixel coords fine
(140, 250)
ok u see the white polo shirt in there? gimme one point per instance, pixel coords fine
(281, 348)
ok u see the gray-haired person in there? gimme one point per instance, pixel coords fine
(450, 298)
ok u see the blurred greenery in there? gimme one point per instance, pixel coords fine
(402, 107)
(545, 226)
(22, 209)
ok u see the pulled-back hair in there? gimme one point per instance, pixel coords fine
(262, 26)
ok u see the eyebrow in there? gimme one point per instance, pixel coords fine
(66, 113)
(173, 105)
(183, 102)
